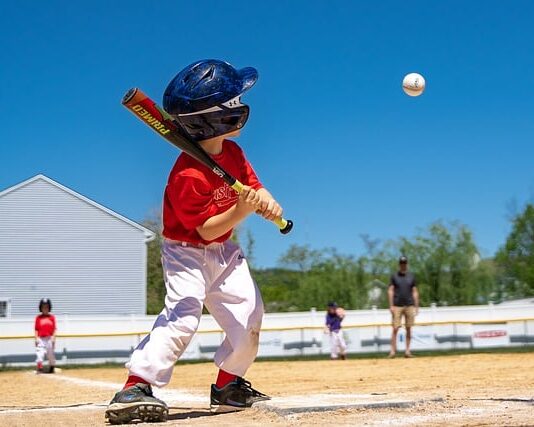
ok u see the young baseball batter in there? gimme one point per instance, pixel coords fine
(334, 317)
(45, 335)
(201, 265)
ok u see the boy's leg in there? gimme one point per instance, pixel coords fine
(50, 354)
(154, 358)
(235, 302)
(342, 345)
(40, 354)
(333, 345)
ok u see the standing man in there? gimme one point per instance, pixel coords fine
(403, 301)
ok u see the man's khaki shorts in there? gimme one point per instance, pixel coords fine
(409, 316)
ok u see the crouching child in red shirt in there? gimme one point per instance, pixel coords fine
(201, 265)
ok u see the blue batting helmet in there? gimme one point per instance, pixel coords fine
(205, 98)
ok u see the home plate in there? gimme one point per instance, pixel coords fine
(288, 405)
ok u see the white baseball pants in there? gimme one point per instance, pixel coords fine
(44, 348)
(337, 344)
(217, 276)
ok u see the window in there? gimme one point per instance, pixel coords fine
(4, 308)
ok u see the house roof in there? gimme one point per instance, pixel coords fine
(148, 233)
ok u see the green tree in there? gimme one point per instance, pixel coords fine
(155, 283)
(515, 259)
(447, 264)
(379, 257)
(323, 275)
(334, 278)
(250, 248)
(301, 258)
(278, 289)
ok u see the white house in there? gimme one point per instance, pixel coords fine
(58, 244)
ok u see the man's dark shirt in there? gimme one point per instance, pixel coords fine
(403, 283)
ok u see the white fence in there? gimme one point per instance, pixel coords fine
(85, 339)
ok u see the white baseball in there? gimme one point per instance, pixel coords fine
(413, 84)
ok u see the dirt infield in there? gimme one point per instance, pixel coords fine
(477, 389)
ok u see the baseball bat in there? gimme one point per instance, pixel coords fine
(166, 126)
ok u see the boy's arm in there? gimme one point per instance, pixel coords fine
(54, 333)
(220, 224)
(36, 333)
(269, 208)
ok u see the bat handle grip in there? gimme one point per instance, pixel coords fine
(285, 225)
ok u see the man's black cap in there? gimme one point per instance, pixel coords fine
(403, 260)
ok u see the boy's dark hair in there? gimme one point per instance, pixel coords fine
(45, 301)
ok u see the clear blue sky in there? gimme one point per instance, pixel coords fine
(331, 132)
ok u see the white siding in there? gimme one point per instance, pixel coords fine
(57, 244)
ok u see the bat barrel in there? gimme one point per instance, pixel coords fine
(132, 97)
(129, 95)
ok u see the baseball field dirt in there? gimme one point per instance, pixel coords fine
(473, 389)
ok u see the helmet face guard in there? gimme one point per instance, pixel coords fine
(215, 121)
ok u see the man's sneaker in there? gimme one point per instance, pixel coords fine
(136, 403)
(235, 396)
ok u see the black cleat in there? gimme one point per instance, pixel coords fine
(136, 403)
(235, 396)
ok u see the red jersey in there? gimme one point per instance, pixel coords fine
(194, 193)
(45, 325)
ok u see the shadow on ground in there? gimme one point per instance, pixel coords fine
(191, 413)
